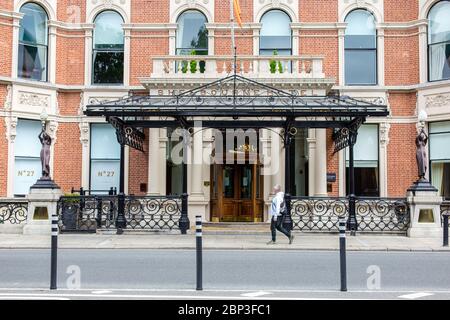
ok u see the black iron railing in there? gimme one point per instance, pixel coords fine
(89, 213)
(13, 211)
(372, 214)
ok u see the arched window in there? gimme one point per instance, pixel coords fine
(439, 41)
(33, 43)
(192, 35)
(360, 48)
(108, 49)
(276, 35)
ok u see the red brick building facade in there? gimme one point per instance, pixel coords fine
(401, 39)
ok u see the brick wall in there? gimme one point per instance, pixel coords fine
(7, 4)
(401, 52)
(71, 11)
(70, 58)
(143, 46)
(322, 43)
(68, 103)
(138, 168)
(402, 168)
(318, 10)
(145, 11)
(394, 12)
(67, 157)
(402, 104)
(6, 47)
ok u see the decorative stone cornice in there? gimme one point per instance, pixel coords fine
(439, 100)
(34, 99)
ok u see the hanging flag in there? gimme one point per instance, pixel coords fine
(237, 12)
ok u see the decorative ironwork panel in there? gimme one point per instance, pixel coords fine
(13, 212)
(380, 214)
(153, 212)
(86, 213)
(127, 135)
(317, 214)
(89, 213)
(372, 214)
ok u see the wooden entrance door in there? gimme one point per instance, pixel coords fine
(236, 193)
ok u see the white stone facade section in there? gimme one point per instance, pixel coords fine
(262, 6)
(94, 7)
(50, 6)
(178, 6)
(374, 6)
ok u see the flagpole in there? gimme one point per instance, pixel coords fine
(233, 41)
(233, 44)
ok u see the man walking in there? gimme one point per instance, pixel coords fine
(277, 212)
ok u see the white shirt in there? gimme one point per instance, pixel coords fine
(276, 204)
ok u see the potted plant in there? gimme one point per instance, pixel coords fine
(275, 65)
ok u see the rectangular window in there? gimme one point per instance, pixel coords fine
(360, 66)
(174, 167)
(105, 158)
(440, 157)
(108, 66)
(32, 62)
(365, 162)
(27, 162)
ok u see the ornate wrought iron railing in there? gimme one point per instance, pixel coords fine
(89, 213)
(372, 214)
(13, 211)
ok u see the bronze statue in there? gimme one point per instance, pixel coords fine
(46, 142)
(421, 154)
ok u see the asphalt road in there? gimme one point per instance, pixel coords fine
(227, 274)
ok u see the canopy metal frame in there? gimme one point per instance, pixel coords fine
(236, 102)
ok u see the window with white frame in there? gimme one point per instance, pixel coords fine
(440, 156)
(27, 150)
(105, 157)
(108, 49)
(192, 39)
(275, 37)
(33, 43)
(439, 41)
(366, 162)
(360, 48)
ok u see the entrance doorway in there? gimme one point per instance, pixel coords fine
(236, 193)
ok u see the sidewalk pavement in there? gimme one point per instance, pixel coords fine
(302, 241)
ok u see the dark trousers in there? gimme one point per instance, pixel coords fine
(278, 225)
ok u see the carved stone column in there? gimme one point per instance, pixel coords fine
(384, 141)
(153, 162)
(321, 163)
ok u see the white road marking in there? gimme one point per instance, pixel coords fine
(101, 291)
(416, 295)
(143, 296)
(255, 294)
(33, 298)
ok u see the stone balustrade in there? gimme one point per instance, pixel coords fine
(250, 66)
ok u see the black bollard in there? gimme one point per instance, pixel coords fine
(198, 236)
(445, 216)
(342, 251)
(54, 253)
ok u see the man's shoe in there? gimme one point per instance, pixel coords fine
(291, 238)
(271, 242)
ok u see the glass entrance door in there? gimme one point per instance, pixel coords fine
(236, 198)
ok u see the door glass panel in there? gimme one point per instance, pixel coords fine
(228, 182)
(246, 182)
